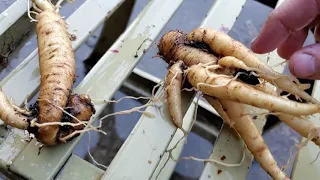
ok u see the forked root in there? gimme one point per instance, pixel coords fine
(301, 125)
(173, 85)
(277, 80)
(228, 89)
(224, 45)
(217, 106)
(246, 128)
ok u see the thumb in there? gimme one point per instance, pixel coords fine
(305, 63)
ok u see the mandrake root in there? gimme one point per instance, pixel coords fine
(224, 45)
(58, 115)
(231, 77)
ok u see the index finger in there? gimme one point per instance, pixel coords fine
(291, 15)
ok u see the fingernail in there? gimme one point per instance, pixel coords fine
(304, 65)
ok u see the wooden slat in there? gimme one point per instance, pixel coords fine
(77, 169)
(229, 146)
(12, 14)
(26, 75)
(103, 79)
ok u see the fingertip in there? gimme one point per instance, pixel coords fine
(254, 47)
(305, 63)
(258, 46)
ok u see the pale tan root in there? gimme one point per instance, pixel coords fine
(10, 113)
(252, 138)
(117, 101)
(57, 68)
(228, 89)
(301, 125)
(217, 106)
(224, 45)
(173, 85)
(134, 109)
(232, 62)
(217, 161)
(90, 155)
(152, 102)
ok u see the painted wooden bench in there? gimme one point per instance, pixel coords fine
(143, 154)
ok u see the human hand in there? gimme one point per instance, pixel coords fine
(286, 28)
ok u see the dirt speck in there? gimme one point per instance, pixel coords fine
(72, 37)
(149, 161)
(115, 51)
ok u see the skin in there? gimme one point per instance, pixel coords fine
(286, 29)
